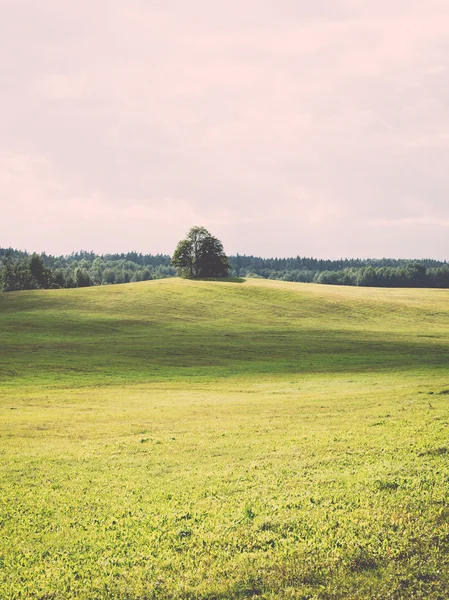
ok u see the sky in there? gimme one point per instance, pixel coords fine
(286, 127)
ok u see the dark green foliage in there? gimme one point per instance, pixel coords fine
(21, 271)
(367, 273)
(200, 254)
(183, 258)
(301, 264)
(39, 272)
(82, 278)
(8, 275)
(28, 273)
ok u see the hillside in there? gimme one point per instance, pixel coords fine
(224, 440)
(175, 328)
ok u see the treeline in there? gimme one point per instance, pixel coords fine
(23, 271)
(318, 265)
(413, 275)
(385, 272)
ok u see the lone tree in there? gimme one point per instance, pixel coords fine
(200, 254)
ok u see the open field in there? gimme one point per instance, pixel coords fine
(201, 440)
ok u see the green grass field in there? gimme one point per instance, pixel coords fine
(218, 440)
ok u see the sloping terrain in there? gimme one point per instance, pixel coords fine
(186, 439)
(175, 328)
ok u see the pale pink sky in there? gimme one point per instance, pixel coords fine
(284, 126)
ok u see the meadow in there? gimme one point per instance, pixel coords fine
(210, 440)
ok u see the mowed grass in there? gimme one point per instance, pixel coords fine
(178, 439)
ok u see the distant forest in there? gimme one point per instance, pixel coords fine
(23, 271)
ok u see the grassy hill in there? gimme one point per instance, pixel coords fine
(180, 439)
(170, 329)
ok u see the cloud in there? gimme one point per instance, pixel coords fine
(414, 221)
(287, 126)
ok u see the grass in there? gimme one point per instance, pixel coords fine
(211, 440)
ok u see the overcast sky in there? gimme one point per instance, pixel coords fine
(284, 126)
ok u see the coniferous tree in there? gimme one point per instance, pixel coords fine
(38, 271)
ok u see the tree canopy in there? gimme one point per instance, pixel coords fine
(20, 270)
(201, 254)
